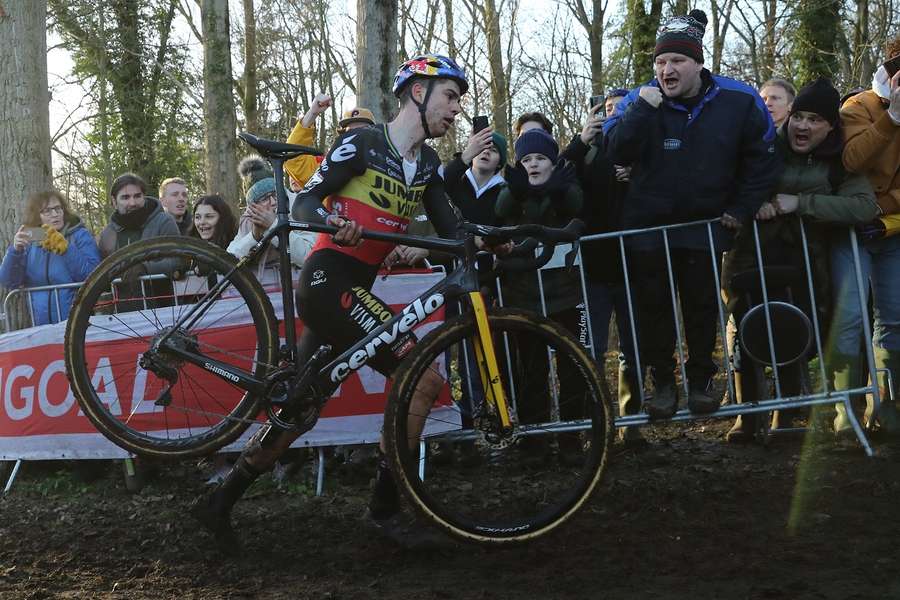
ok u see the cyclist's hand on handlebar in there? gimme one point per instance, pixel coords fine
(349, 232)
(493, 245)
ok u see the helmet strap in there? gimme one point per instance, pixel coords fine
(423, 106)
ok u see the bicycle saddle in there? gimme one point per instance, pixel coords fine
(277, 150)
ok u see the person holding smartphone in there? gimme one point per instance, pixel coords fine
(872, 127)
(51, 247)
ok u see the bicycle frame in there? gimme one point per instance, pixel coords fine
(461, 281)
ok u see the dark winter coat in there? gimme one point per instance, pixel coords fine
(554, 204)
(604, 198)
(694, 163)
(156, 223)
(829, 199)
(460, 188)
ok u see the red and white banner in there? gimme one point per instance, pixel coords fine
(40, 419)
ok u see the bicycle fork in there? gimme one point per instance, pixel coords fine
(486, 357)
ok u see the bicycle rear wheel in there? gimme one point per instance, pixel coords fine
(173, 409)
(492, 486)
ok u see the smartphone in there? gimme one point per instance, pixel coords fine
(38, 234)
(478, 123)
(892, 66)
(595, 101)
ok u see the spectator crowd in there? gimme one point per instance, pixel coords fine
(747, 174)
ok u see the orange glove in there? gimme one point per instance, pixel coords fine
(55, 241)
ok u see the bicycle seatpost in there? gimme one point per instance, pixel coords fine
(282, 216)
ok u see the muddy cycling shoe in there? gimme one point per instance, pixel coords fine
(216, 522)
(664, 402)
(385, 501)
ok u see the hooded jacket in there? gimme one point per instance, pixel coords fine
(35, 266)
(693, 163)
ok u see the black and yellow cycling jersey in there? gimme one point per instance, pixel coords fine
(362, 179)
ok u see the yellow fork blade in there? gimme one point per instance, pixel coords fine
(487, 359)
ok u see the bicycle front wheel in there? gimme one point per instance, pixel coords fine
(456, 464)
(151, 402)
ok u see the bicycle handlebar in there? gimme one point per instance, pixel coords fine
(520, 258)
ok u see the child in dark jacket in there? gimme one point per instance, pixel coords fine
(546, 192)
(67, 254)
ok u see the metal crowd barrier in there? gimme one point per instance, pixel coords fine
(13, 294)
(779, 402)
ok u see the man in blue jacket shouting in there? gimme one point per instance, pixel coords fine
(701, 146)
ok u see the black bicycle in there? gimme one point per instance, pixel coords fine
(201, 357)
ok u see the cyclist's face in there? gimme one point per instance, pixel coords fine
(443, 106)
(130, 198)
(205, 220)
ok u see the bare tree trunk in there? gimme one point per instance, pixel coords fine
(593, 27)
(251, 82)
(721, 21)
(218, 102)
(25, 118)
(862, 52)
(643, 27)
(499, 85)
(103, 115)
(767, 69)
(376, 52)
(448, 18)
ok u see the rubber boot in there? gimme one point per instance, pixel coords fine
(888, 416)
(846, 371)
(213, 510)
(629, 404)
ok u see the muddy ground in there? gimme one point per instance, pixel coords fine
(688, 517)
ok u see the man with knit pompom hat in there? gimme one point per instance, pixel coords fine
(701, 146)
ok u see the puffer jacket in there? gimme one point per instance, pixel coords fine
(694, 163)
(35, 266)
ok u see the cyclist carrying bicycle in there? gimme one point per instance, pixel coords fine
(373, 178)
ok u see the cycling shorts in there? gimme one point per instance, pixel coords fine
(334, 300)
